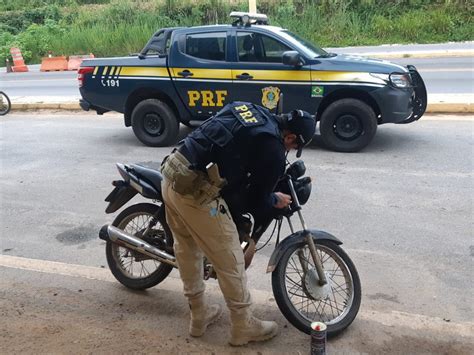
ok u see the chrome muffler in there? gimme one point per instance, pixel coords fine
(129, 241)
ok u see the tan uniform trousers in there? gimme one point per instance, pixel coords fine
(208, 229)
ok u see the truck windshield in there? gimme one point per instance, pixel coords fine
(309, 48)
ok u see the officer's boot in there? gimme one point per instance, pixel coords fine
(202, 316)
(246, 328)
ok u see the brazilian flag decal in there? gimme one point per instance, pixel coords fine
(317, 91)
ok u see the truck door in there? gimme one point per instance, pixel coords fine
(200, 71)
(259, 76)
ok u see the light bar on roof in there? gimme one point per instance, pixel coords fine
(247, 18)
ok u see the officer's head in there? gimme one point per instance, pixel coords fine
(298, 130)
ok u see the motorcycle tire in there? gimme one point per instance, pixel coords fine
(122, 221)
(281, 290)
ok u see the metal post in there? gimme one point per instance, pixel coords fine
(9, 66)
(253, 6)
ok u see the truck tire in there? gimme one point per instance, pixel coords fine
(348, 125)
(154, 123)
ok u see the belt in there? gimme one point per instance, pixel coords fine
(187, 181)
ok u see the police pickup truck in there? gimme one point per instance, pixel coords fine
(187, 74)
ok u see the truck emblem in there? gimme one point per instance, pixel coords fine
(270, 97)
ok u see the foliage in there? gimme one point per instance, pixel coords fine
(120, 27)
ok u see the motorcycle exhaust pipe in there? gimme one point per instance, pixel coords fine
(115, 235)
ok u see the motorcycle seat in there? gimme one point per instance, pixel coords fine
(150, 175)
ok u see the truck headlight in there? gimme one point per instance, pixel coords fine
(400, 80)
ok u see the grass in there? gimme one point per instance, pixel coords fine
(120, 27)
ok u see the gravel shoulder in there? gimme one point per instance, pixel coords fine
(55, 312)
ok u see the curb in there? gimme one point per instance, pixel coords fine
(397, 55)
(436, 107)
(67, 106)
(445, 107)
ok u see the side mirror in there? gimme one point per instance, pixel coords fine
(292, 58)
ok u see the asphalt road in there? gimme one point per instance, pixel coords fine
(407, 48)
(442, 75)
(403, 208)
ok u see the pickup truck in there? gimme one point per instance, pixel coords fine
(187, 74)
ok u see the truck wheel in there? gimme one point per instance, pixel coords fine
(154, 123)
(348, 125)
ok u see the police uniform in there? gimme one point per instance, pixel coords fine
(246, 143)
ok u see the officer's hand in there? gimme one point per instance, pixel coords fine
(283, 200)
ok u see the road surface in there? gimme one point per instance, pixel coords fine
(403, 208)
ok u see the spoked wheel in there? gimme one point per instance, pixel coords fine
(5, 104)
(303, 300)
(131, 268)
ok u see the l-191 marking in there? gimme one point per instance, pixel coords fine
(110, 83)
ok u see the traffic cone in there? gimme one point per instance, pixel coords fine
(18, 62)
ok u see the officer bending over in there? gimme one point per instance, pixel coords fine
(234, 160)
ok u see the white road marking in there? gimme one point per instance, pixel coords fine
(391, 319)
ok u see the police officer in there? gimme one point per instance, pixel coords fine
(237, 155)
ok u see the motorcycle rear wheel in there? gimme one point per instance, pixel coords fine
(301, 299)
(131, 268)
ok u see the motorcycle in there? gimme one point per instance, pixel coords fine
(313, 279)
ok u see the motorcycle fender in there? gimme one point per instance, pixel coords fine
(119, 196)
(297, 238)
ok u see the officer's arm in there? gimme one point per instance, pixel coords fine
(267, 165)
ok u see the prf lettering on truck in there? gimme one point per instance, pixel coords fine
(207, 98)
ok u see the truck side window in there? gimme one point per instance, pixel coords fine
(255, 47)
(211, 46)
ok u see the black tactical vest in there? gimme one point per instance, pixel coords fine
(226, 139)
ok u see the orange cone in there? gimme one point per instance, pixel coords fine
(18, 62)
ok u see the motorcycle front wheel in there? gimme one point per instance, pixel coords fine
(133, 269)
(301, 298)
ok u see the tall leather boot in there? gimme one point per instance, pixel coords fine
(246, 328)
(202, 316)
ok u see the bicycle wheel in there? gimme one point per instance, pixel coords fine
(5, 104)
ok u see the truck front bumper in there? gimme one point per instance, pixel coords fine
(402, 105)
